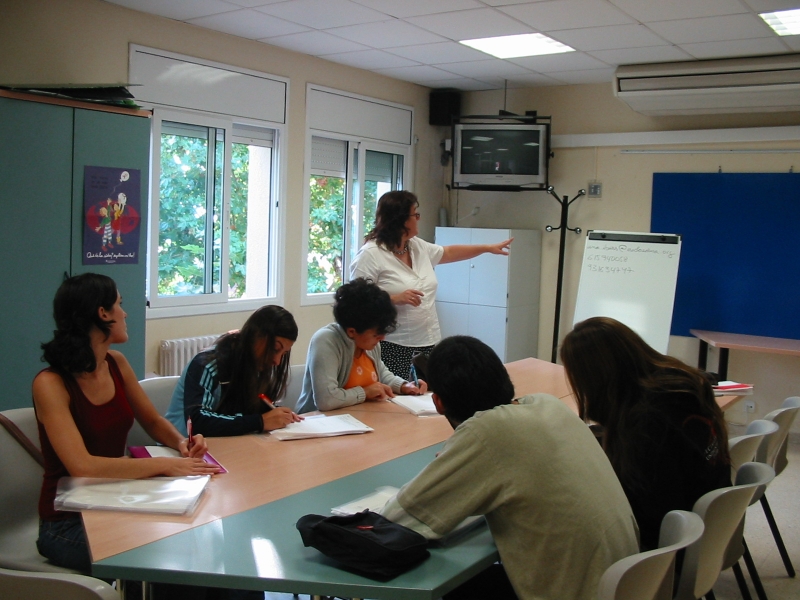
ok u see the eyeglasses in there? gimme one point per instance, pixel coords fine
(415, 215)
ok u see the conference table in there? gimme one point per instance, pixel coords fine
(243, 536)
(739, 341)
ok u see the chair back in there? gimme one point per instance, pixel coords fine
(781, 459)
(722, 511)
(21, 585)
(649, 575)
(159, 390)
(751, 473)
(784, 417)
(294, 387)
(743, 448)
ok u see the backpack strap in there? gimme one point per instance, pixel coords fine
(22, 439)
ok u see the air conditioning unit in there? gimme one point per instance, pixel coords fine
(740, 85)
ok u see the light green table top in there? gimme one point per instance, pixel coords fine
(260, 549)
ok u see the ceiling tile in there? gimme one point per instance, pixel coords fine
(605, 38)
(641, 56)
(252, 3)
(422, 73)
(370, 59)
(415, 8)
(323, 14)
(664, 10)
(470, 24)
(386, 34)
(435, 54)
(735, 48)
(480, 69)
(315, 43)
(771, 5)
(712, 29)
(589, 76)
(567, 14)
(177, 9)
(508, 2)
(793, 41)
(568, 61)
(248, 23)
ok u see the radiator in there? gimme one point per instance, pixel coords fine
(174, 355)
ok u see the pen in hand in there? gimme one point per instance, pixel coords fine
(267, 401)
(189, 442)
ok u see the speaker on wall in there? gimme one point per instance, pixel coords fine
(444, 105)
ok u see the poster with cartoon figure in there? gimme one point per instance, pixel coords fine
(111, 203)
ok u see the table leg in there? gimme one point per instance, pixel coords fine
(702, 358)
(723, 364)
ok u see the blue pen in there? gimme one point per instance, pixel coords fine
(414, 376)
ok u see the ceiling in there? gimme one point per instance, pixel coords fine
(417, 40)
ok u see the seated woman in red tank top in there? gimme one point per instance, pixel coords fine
(85, 404)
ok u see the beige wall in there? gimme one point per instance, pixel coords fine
(86, 41)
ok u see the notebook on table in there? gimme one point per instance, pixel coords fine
(321, 426)
(422, 406)
(166, 452)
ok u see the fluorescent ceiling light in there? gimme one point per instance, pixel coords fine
(784, 22)
(530, 144)
(480, 138)
(514, 46)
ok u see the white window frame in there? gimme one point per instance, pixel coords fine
(353, 143)
(199, 304)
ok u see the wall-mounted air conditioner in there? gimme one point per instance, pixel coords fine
(740, 85)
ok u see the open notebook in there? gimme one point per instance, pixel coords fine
(170, 495)
(422, 406)
(164, 451)
(321, 426)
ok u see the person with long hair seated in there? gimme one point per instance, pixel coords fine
(400, 262)
(344, 365)
(231, 388)
(663, 431)
(85, 403)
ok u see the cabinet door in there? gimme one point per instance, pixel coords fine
(453, 318)
(114, 140)
(453, 277)
(488, 281)
(35, 176)
(488, 324)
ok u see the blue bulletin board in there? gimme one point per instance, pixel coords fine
(740, 262)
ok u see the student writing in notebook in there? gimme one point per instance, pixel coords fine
(231, 388)
(344, 365)
(85, 403)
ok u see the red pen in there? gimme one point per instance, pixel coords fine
(267, 400)
(189, 433)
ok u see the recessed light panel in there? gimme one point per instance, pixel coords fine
(784, 22)
(515, 46)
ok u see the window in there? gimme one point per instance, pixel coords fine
(213, 214)
(347, 177)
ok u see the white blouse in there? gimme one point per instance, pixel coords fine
(416, 325)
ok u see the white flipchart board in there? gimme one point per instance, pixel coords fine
(630, 277)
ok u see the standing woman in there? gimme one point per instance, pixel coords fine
(403, 264)
(664, 432)
(85, 404)
(230, 389)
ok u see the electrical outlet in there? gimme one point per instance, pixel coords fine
(595, 190)
(750, 406)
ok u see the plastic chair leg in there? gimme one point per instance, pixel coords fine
(741, 582)
(787, 562)
(751, 568)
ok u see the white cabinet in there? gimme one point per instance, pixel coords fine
(491, 297)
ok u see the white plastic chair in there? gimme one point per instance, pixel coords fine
(721, 510)
(295, 386)
(159, 390)
(773, 452)
(743, 448)
(649, 575)
(25, 585)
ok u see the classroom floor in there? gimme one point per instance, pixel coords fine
(784, 499)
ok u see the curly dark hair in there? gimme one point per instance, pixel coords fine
(468, 377)
(390, 218)
(242, 377)
(75, 311)
(362, 305)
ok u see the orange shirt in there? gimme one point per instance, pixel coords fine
(363, 372)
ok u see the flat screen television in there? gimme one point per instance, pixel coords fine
(504, 155)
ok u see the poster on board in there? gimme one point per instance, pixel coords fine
(112, 215)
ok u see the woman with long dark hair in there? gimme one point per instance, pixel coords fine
(231, 388)
(85, 403)
(398, 261)
(663, 430)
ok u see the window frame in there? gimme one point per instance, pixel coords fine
(200, 304)
(362, 145)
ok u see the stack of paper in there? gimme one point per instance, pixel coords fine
(374, 502)
(422, 406)
(171, 495)
(164, 451)
(321, 426)
(732, 388)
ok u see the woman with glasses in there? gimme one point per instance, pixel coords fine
(401, 263)
(344, 365)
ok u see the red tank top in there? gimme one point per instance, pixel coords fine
(104, 430)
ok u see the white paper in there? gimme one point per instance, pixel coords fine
(171, 495)
(422, 406)
(374, 502)
(322, 426)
